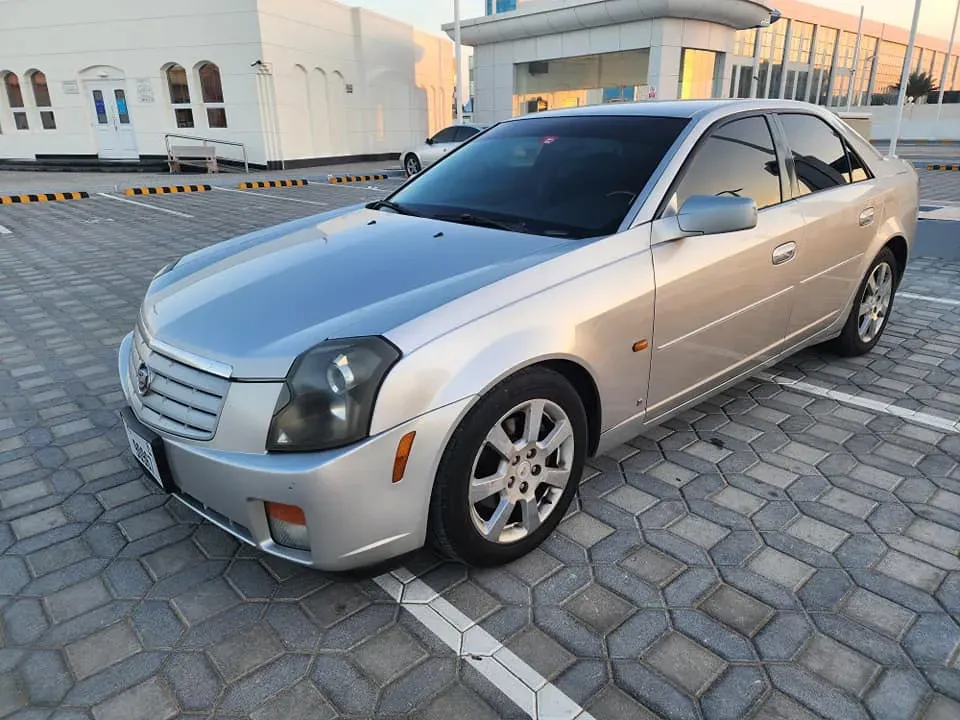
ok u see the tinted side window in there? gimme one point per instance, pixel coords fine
(465, 133)
(818, 153)
(736, 159)
(858, 169)
(446, 135)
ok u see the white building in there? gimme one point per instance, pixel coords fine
(293, 81)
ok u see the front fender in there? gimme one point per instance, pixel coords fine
(453, 368)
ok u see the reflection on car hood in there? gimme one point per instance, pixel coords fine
(258, 301)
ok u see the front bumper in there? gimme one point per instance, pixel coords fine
(355, 514)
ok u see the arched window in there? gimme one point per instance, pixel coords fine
(180, 96)
(41, 96)
(211, 90)
(15, 97)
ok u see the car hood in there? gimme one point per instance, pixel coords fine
(258, 301)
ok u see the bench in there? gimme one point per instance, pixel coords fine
(196, 155)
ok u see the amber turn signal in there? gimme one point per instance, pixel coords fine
(286, 513)
(403, 454)
(640, 345)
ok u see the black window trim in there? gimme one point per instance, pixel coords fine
(772, 126)
(452, 129)
(791, 165)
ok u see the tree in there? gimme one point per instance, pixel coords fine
(919, 85)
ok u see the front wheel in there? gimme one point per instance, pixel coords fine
(412, 165)
(871, 309)
(510, 470)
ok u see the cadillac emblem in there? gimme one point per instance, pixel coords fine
(144, 378)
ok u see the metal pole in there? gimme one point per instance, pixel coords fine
(946, 63)
(904, 78)
(856, 58)
(459, 51)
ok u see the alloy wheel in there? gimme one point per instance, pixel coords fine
(521, 471)
(875, 302)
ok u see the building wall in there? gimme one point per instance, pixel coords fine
(75, 43)
(352, 82)
(657, 71)
(295, 106)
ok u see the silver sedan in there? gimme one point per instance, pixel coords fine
(437, 366)
(435, 148)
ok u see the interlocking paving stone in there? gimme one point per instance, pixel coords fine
(817, 533)
(700, 532)
(738, 500)
(107, 647)
(243, 652)
(148, 701)
(877, 612)
(387, 654)
(599, 608)
(685, 662)
(780, 568)
(540, 652)
(653, 566)
(942, 708)
(458, 702)
(614, 704)
(584, 529)
(848, 502)
(743, 613)
(910, 570)
(630, 499)
(838, 664)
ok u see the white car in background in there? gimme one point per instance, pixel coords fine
(433, 148)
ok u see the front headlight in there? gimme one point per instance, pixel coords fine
(328, 396)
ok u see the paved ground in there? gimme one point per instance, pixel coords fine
(20, 182)
(787, 550)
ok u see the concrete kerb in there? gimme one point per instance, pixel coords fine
(301, 181)
(41, 197)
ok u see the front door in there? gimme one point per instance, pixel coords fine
(723, 301)
(116, 138)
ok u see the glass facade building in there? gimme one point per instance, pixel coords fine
(813, 56)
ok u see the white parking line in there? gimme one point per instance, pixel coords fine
(254, 193)
(873, 402)
(525, 687)
(144, 205)
(5, 231)
(928, 298)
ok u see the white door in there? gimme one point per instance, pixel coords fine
(116, 137)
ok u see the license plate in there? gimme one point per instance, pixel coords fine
(143, 452)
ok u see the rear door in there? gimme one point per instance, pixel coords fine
(723, 301)
(443, 142)
(837, 196)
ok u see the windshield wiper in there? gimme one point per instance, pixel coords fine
(389, 205)
(480, 221)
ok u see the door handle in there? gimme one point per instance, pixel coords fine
(866, 216)
(784, 253)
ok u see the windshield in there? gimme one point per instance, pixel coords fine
(574, 176)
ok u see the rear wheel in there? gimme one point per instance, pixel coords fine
(510, 470)
(412, 164)
(871, 309)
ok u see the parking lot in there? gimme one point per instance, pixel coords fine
(789, 549)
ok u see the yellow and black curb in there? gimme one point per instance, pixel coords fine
(42, 197)
(272, 184)
(944, 168)
(337, 179)
(167, 189)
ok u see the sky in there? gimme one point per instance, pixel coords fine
(936, 16)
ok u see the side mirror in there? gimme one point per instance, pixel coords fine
(429, 141)
(715, 214)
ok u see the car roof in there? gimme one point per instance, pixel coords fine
(678, 108)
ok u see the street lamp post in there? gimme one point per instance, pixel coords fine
(946, 63)
(856, 57)
(904, 78)
(458, 52)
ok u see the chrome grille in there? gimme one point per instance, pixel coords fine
(181, 400)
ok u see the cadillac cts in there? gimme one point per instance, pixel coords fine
(437, 366)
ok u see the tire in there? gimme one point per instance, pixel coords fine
(455, 521)
(411, 165)
(853, 341)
